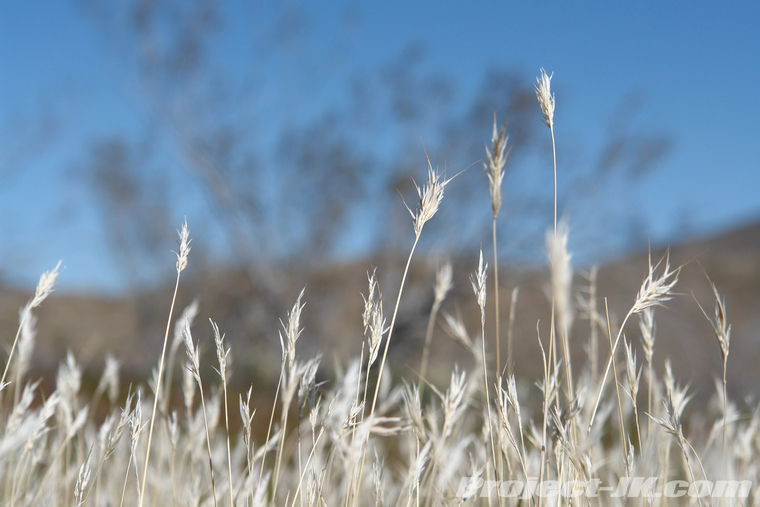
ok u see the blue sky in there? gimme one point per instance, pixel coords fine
(63, 80)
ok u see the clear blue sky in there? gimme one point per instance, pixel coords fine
(696, 63)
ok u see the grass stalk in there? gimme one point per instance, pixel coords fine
(617, 386)
(496, 296)
(208, 442)
(545, 406)
(157, 394)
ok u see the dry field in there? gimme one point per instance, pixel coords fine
(453, 389)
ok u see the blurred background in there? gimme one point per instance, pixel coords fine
(285, 132)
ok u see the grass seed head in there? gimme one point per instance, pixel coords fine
(115, 435)
(292, 330)
(497, 158)
(443, 281)
(193, 362)
(222, 353)
(45, 286)
(674, 404)
(545, 97)
(307, 388)
(374, 321)
(656, 289)
(478, 281)
(82, 481)
(430, 197)
(246, 415)
(184, 247)
(455, 328)
(19, 411)
(453, 400)
(135, 423)
(512, 395)
(630, 367)
(648, 332)
(69, 379)
(720, 325)
(369, 300)
(413, 411)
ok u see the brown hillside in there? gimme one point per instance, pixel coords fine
(131, 329)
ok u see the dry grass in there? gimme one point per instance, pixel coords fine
(327, 445)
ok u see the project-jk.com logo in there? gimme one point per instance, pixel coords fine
(627, 487)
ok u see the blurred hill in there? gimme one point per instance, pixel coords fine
(132, 328)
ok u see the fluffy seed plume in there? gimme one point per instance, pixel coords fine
(369, 299)
(246, 415)
(545, 97)
(497, 157)
(671, 423)
(374, 321)
(193, 363)
(222, 352)
(633, 375)
(45, 286)
(723, 334)
(114, 435)
(431, 195)
(82, 481)
(656, 290)
(478, 281)
(648, 332)
(455, 328)
(443, 282)
(135, 423)
(69, 378)
(452, 402)
(184, 247)
(720, 325)
(512, 395)
(292, 331)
